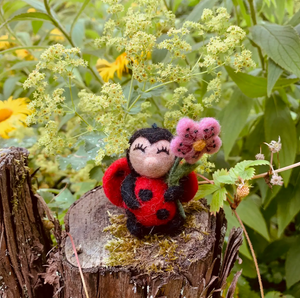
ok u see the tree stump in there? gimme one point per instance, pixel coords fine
(187, 265)
(24, 242)
(197, 270)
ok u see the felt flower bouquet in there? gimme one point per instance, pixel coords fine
(192, 141)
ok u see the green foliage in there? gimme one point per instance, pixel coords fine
(181, 61)
(280, 43)
(292, 264)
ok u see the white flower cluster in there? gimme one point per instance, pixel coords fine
(58, 60)
(53, 142)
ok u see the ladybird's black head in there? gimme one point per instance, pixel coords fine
(153, 134)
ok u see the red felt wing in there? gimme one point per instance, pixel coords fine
(112, 180)
(190, 185)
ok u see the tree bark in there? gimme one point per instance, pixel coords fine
(197, 271)
(24, 242)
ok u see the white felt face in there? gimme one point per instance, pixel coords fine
(153, 161)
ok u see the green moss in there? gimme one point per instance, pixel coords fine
(154, 253)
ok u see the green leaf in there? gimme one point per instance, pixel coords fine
(23, 64)
(78, 34)
(36, 4)
(250, 163)
(226, 179)
(29, 16)
(217, 200)
(9, 86)
(243, 171)
(233, 222)
(23, 48)
(84, 4)
(280, 10)
(288, 206)
(176, 4)
(247, 174)
(245, 290)
(281, 43)
(277, 295)
(77, 160)
(232, 122)
(36, 26)
(205, 190)
(217, 174)
(274, 72)
(244, 13)
(285, 82)
(196, 13)
(251, 215)
(251, 86)
(277, 249)
(12, 6)
(96, 173)
(292, 267)
(278, 122)
(295, 20)
(93, 140)
(63, 200)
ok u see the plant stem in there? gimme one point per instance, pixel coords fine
(254, 22)
(166, 5)
(135, 101)
(278, 170)
(178, 203)
(78, 263)
(130, 90)
(204, 178)
(237, 15)
(263, 174)
(252, 11)
(71, 94)
(69, 38)
(197, 62)
(253, 254)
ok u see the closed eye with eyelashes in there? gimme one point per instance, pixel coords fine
(163, 149)
(140, 147)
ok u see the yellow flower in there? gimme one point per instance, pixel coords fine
(4, 43)
(13, 113)
(56, 35)
(31, 10)
(107, 69)
(24, 54)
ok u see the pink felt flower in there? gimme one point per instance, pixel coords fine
(196, 138)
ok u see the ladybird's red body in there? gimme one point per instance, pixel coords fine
(151, 208)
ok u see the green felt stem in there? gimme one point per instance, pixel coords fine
(180, 209)
(177, 172)
(173, 169)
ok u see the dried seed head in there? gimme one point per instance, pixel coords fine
(260, 156)
(274, 146)
(276, 180)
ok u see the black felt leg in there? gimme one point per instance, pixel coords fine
(171, 228)
(134, 227)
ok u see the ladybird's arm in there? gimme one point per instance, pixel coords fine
(128, 194)
(190, 186)
(112, 181)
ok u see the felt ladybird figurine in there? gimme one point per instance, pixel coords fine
(138, 184)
